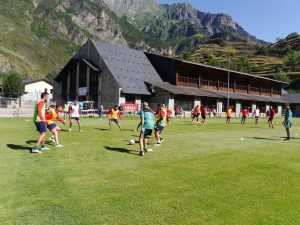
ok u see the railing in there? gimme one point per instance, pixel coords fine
(192, 80)
(209, 83)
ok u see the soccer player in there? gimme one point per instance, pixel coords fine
(196, 113)
(52, 115)
(160, 123)
(203, 114)
(245, 114)
(114, 115)
(256, 114)
(40, 123)
(169, 113)
(228, 114)
(176, 111)
(271, 117)
(147, 124)
(288, 121)
(66, 109)
(74, 112)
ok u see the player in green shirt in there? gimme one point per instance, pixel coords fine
(147, 124)
(288, 121)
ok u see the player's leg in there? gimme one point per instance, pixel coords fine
(71, 124)
(118, 124)
(138, 127)
(79, 124)
(109, 123)
(142, 143)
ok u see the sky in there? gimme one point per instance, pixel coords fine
(265, 19)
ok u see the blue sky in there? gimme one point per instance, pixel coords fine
(265, 19)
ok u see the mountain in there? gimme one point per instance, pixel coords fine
(39, 36)
(179, 25)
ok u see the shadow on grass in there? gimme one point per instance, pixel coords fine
(30, 142)
(102, 129)
(122, 150)
(262, 138)
(19, 147)
(290, 138)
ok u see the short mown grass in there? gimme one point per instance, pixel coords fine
(200, 175)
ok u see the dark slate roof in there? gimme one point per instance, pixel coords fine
(181, 90)
(131, 68)
(292, 98)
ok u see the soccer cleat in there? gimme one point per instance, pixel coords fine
(142, 153)
(148, 150)
(59, 146)
(80, 130)
(161, 140)
(52, 139)
(35, 150)
(70, 130)
(45, 148)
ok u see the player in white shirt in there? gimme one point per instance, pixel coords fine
(256, 114)
(74, 112)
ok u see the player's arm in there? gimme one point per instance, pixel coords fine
(60, 119)
(39, 109)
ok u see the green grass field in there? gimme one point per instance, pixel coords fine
(200, 175)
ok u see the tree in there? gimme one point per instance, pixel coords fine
(186, 55)
(241, 64)
(281, 76)
(13, 85)
(292, 60)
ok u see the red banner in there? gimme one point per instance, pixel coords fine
(130, 107)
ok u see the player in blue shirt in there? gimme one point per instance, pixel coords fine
(288, 121)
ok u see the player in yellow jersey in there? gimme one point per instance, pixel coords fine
(228, 114)
(52, 115)
(114, 115)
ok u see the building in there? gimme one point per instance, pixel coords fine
(33, 90)
(112, 75)
(294, 100)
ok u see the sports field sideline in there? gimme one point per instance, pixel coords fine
(200, 175)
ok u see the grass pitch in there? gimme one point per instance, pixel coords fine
(200, 175)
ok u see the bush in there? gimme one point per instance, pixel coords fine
(13, 85)
(282, 76)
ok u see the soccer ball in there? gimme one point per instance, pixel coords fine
(132, 142)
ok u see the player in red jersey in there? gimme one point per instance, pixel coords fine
(271, 117)
(203, 114)
(245, 114)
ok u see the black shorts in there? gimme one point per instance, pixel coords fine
(270, 119)
(146, 133)
(75, 118)
(114, 120)
(244, 117)
(203, 117)
(159, 128)
(228, 117)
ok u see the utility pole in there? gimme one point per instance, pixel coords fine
(228, 81)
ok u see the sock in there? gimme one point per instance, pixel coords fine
(43, 146)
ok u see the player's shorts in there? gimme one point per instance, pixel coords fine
(75, 118)
(203, 117)
(228, 117)
(176, 114)
(244, 117)
(288, 125)
(114, 120)
(51, 126)
(41, 127)
(146, 133)
(159, 128)
(256, 117)
(270, 119)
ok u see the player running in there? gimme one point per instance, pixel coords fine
(52, 115)
(196, 113)
(245, 114)
(74, 112)
(271, 117)
(40, 122)
(160, 123)
(114, 115)
(228, 114)
(288, 121)
(147, 124)
(256, 114)
(203, 114)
